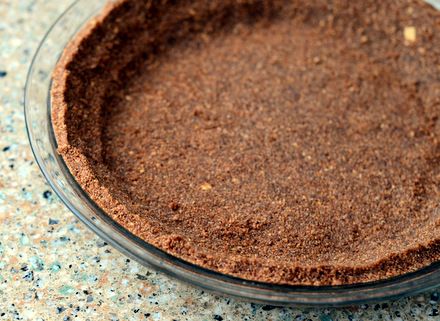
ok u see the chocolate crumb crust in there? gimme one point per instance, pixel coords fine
(289, 142)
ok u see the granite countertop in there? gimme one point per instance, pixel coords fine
(53, 268)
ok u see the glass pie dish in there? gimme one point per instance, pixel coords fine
(43, 143)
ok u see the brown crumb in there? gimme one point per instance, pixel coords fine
(174, 206)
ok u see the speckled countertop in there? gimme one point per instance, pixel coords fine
(53, 268)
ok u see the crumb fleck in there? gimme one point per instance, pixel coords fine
(206, 186)
(410, 34)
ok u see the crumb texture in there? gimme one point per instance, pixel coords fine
(287, 142)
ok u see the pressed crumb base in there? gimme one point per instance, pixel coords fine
(286, 142)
